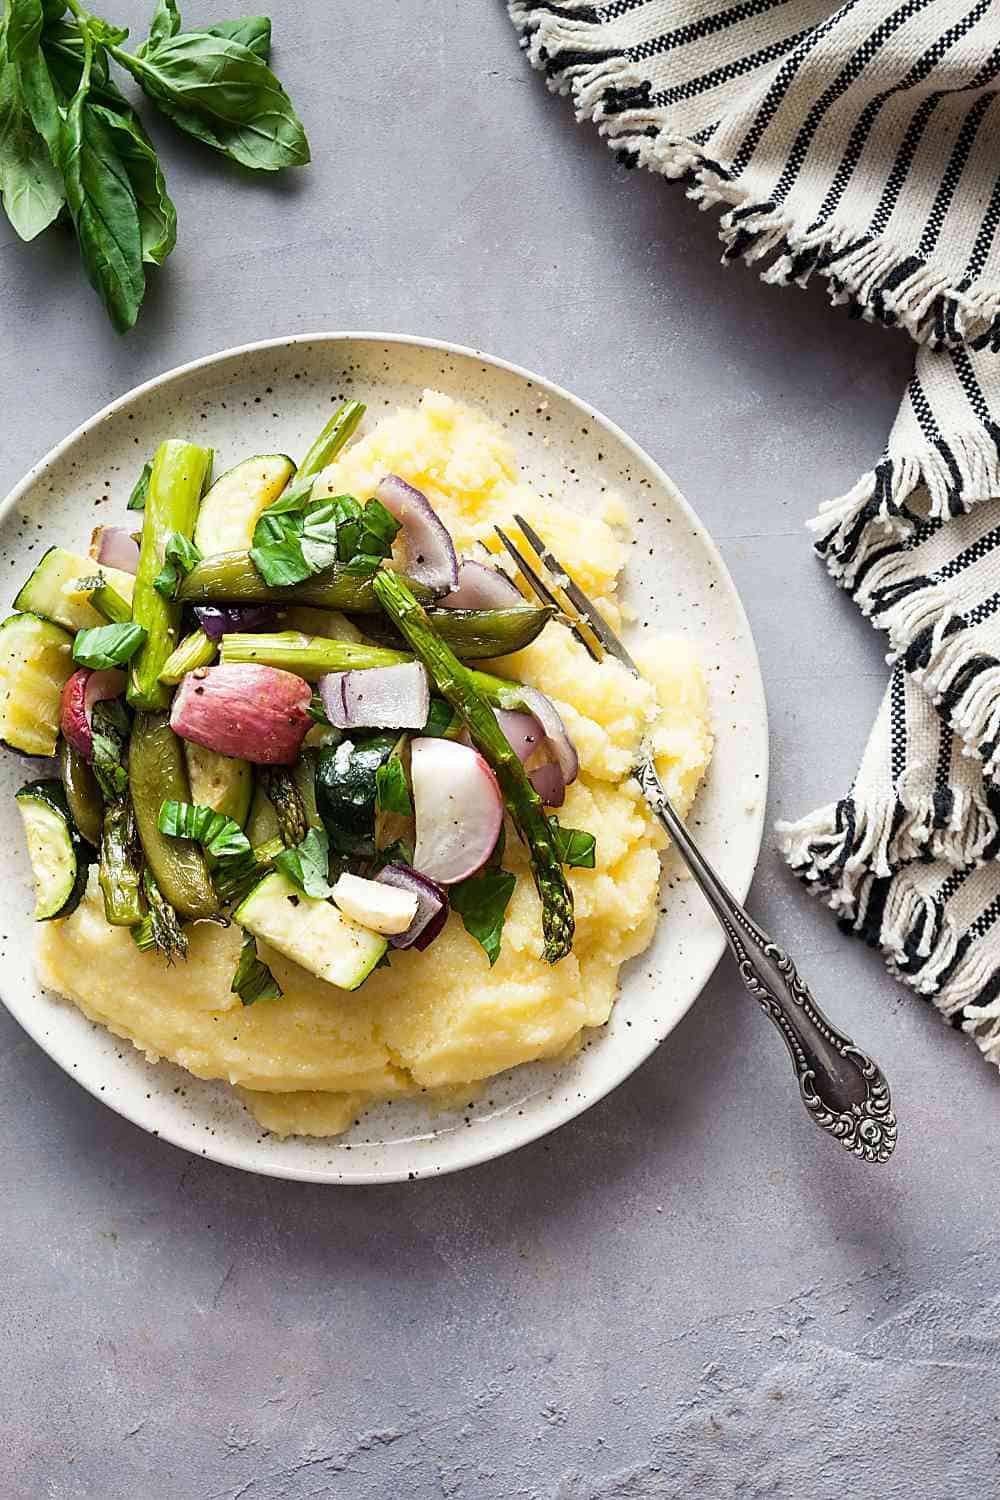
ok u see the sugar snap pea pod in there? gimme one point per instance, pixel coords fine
(175, 489)
(121, 865)
(83, 795)
(457, 684)
(195, 650)
(477, 633)
(231, 578)
(157, 774)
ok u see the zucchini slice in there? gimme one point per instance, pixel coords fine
(51, 589)
(58, 858)
(36, 658)
(314, 934)
(231, 509)
(219, 782)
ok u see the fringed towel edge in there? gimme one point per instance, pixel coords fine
(876, 279)
(923, 948)
(837, 847)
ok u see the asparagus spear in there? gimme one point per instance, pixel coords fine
(231, 578)
(279, 784)
(195, 650)
(324, 450)
(458, 685)
(121, 864)
(160, 927)
(157, 774)
(312, 656)
(175, 489)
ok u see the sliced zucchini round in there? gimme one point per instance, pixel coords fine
(57, 852)
(51, 590)
(219, 782)
(230, 511)
(36, 658)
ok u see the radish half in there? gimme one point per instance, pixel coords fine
(82, 691)
(458, 809)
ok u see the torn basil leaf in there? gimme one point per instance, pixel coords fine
(481, 902)
(392, 793)
(308, 864)
(574, 846)
(107, 645)
(218, 835)
(179, 556)
(137, 499)
(253, 980)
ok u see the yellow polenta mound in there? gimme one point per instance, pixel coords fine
(308, 1063)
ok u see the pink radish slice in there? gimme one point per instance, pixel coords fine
(244, 710)
(116, 548)
(377, 697)
(559, 741)
(458, 809)
(482, 587)
(429, 550)
(82, 691)
(432, 911)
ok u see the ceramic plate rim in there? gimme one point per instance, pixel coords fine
(474, 1155)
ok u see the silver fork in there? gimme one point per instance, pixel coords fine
(843, 1089)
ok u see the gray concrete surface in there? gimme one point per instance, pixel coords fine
(687, 1292)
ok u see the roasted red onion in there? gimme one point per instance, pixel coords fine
(245, 710)
(429, 551)
(482, 587)
(432, 911)
(458, 809)
(217, 620)
(527, 739)
(81, 692)
(547, 779)
(554, 729)
(115, 548)
(377, 697)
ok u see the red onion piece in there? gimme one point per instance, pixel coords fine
(244, 710)
(377, 697)
(458, 809)
(482, 587)
(547, 779)
(559, 741)
(429, 550)
(81, 692)
(117, 548)
(217, 620)
(432, 912)
(522, 731)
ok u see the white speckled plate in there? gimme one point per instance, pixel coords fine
(270, 397)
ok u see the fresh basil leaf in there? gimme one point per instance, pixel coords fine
(574, 846)
(157, 214)
(253, 980)
(235, 878)
(218, 835)
(308, 864)
(392, 794)
(379, 529)
(137, 499)
(363, 565)
(24, 20)
(166, 23)
(481, 902)
(30, 183)
(179, 556)
(64, 52)
(109, 729)
(102, 204)
(219, 91)
(281, 563)
(107, 645)
(253, 31)
(53, 10)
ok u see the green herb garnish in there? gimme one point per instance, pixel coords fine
(481, 902)
(179, 556)
(253, 980)
(107, 645)
(308, 864)
(392, 794)
(575, 846)
(137, 499)
(218, 835)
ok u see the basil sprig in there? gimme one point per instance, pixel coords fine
(293, 544)
(107, 645)
(68, 136)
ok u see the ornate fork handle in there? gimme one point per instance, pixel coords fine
(844, 1090)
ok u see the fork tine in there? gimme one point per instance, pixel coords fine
(590, 613)
(541, 588)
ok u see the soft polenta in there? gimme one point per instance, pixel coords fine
(308, 1063)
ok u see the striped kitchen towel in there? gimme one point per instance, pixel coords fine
(861, 143)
